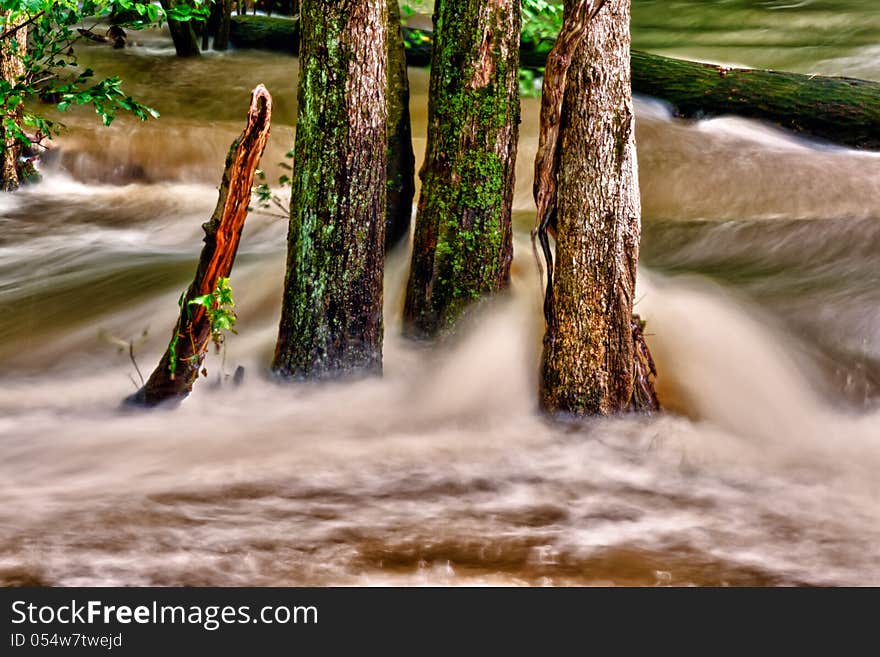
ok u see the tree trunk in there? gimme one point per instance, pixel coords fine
(12, 50)
(589, 360)
(213, 21)
(173, 378)
(184, 37)
(401, 160)
(463, 243)
(224, 18)
(331, 317)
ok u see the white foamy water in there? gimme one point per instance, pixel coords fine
(758, 284)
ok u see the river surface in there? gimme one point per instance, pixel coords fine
(760, 282)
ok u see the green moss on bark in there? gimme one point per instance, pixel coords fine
(463, 242)
(841, 110)
(331, 320)
(265, 32)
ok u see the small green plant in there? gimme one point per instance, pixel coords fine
(220, 309)
(542, 21)
(266, 197)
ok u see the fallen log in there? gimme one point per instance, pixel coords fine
(282, 35)
(839, 110)
(265, 33)
(173, 378)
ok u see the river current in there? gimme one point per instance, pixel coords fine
(759, 282)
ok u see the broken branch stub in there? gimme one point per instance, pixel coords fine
(173, 378)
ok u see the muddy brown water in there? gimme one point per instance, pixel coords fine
(759, 283)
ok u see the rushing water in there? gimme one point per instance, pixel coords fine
(759, 282)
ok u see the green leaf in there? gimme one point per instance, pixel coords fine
(205, 300)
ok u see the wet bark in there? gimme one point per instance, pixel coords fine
(209, 29)
(12, 49)
(182, 34)
(401, 159)
(331, 318)
(192, 333)
(589, 361)
(265, 33)
(840, 110)
(224, 20)
(463, 242)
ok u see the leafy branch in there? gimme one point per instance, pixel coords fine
(219, 307)
(266, 197)
(49, 62)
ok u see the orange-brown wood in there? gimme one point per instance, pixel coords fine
(173, 378)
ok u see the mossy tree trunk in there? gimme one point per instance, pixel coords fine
(401, 160)
(589, 359)
(840, 110)
(12, 49)
(331, 317)
(182, 34)
(463, 243)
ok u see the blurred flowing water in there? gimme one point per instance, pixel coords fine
(759, 282)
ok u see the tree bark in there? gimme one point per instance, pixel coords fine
(401, 159)
(463, 240)
(840, 110)
(186, 43)
(12, 50)
(224, 19)
(192, 333)
(589, 359)
(331, 317)
(265, 33)
(210, 26)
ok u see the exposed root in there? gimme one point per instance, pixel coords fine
(644, 399)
